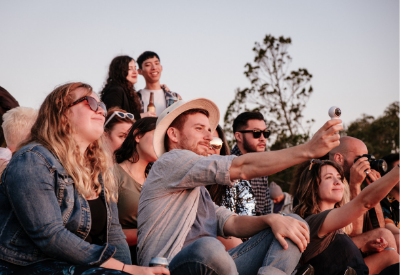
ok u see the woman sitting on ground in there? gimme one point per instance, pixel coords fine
(132, 158)
(239, 198)
(323, 205)
(116, 128)
(57, 196)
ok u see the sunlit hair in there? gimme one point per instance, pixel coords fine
(17, 124)
(116, 119)
(53, 130)
(307, 191)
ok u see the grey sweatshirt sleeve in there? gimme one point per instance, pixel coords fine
(188, 170)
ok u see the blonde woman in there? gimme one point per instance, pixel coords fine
(57, 196)
(322, 197)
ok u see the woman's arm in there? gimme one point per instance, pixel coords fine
(368, 198)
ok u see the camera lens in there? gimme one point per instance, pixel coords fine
(338, 112)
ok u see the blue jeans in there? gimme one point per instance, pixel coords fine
(261, 254)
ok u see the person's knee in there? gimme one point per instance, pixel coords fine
(211, 253)
(297, 217)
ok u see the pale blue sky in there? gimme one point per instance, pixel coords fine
(351, 47)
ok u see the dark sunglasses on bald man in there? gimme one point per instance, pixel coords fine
(93, 104)
(257, 133)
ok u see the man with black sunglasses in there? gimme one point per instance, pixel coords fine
(251, 135)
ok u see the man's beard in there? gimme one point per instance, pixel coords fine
(248, 147)
(184, 144)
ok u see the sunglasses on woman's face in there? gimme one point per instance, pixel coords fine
(121, 115)
(257, 133)
(216, 143)
(93, 104)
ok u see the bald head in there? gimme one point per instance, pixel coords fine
(349, 149)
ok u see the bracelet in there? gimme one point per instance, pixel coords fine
(282, 214)
(390, 248)
(123, 267)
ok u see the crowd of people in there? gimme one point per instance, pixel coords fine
(102, 184)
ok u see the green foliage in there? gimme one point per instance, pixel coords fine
(279, 94)
(381, 135)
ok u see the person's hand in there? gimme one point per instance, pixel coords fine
(358, 172)
(325, 139)
(165, 88)
(141, 270)
(288, 227)
(148, 114)
(373, 175)
(377, 245)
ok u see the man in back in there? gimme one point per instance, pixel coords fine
(150, 68)
(251, 135)
(177, 218)
(371, 225)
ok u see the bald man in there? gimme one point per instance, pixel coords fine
(355, 173)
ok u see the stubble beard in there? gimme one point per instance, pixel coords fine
(186, 145)
(248, 147)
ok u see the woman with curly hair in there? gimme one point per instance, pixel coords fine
(326, 207)
(133, 159)
(57, 195)
(119, 90)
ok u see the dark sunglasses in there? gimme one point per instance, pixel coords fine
(93, 104)
(257, 133)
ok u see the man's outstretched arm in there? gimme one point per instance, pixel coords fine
(282, 227)
(254, 165)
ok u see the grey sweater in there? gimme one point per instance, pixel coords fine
(169, 201)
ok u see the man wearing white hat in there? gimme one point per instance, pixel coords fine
(177, 218)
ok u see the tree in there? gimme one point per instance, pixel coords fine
(278, 94)
(381, 135)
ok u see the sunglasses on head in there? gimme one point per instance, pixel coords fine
(216, 143)
(93, 104)
(257, 133)
(121, 115)
(315, 161)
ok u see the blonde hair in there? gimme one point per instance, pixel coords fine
(53, 130)
(307, 191)
(17, 124)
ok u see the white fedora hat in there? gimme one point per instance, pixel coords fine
(173, 111)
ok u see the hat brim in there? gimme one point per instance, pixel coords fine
(173, 111)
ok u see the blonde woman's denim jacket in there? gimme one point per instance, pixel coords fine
(43, 217)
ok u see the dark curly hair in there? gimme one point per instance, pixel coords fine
(128, 150)
(117, 74)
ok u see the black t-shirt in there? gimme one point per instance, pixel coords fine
(332, 253)
(98, 212)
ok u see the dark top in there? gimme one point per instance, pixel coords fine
(205, 224)
(98, 213)
(278, 206)
(115, 96)
(332, 253)
(390, 208)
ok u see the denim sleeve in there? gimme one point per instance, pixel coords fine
(30, 183)
(116, 237)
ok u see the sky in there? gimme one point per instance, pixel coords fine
(350, 47)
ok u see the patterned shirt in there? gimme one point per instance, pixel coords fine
(168, 95)
(260, 190)
(239, 199)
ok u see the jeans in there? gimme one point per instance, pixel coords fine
(261, 254)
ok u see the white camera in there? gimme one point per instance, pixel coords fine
(334, 112)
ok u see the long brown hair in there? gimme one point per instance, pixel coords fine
(307, 190)
(53, 130)
(117, 73)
